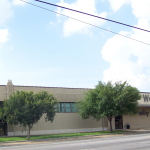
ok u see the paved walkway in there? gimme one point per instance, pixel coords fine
(129, 132)
(138, 131)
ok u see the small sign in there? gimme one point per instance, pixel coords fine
(143, 112)
(146, 98)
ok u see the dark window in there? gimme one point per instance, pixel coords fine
(66, 107)
(1, 103)
(74, 109)
(3, 128)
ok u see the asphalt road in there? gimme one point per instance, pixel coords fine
(124, 142)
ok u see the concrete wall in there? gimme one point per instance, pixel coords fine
(63, 122)
(138, 121)
(72, 122)
(2, 92)
(62, 94)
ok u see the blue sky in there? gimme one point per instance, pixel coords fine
(41, 48)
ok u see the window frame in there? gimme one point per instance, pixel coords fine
(63, 108)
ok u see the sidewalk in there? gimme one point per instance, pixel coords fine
(139, 131)
(129, 132)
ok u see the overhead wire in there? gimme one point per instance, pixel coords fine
(92, 15)
(86, 23)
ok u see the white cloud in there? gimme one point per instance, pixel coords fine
(119, 51)
(5, 11)
(117, 4)
(71, 26)
(141, 8)
(3, 35)
(5, 14)
(19, 2)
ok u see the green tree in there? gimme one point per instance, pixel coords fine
(109, 100)
(26, 108)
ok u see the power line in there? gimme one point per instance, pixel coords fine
(93, 15)
(88, 23)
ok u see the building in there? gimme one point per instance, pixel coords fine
(138, 121)
(67, 119)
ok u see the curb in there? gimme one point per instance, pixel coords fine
(70, 138)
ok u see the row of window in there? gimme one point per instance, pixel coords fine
(61, 107)
(66, 107)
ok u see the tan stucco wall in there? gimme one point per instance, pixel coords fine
(72, 122)
(63, 122)
(138, 121)
(62, 94)
(2, 92)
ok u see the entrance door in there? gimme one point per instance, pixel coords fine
(3, 128)
(118, 122)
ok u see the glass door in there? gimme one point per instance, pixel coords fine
(118, 122)
(3, 128)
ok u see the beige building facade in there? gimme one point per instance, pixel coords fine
(67, 120)
(139, 121)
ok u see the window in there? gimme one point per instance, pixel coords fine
(66, 107)
(1, 103)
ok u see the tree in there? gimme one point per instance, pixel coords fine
(109, 100)
(26, 108)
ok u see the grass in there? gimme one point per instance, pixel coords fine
(21, 138)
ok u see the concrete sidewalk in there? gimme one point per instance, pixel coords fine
(128, 132)
(138, 131)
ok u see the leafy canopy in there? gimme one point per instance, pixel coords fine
(110, 100)
(26, 108)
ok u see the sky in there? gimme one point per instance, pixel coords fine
(42, 48)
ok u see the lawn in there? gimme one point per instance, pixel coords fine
(21, 138)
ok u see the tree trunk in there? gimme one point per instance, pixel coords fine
(29, 128)
(110, 121)
(103, 123)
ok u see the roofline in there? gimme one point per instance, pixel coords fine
(145, 92)
(59, 87)
(52, 87)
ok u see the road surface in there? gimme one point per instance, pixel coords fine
(124, 142)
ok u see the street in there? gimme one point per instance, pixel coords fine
(124, 142)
